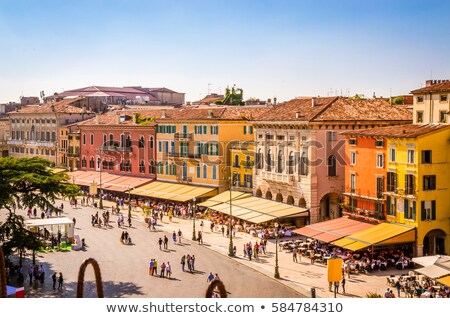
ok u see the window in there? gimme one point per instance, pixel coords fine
(184, 146)
(380, 160)
(352, 141)
(214, 172)
(409, 184)
(92, 139)
(409, 209)
(259, 159)
(198, 171)
(159, 146)
(428, 210)
(248, 163)
(410, 155)
(429, 182)
(214, 129)
(205, 172)
(280, 161)
(352, 183)
(142, 167)
(391, 205)
(291, 163)
(353, 158)
(304, 164)
(331, 136)
(391, 181)
(426, 156)
(151, 167)
(419, 99)
(151, 142)
(379, 143)
(419, 117)
(83, 162)
(380, 187)
(392, 154)
(84, 139)
(111, 139)
(236, 161)
(331, 166)
(269, 160)
(92, 163)
(443, 116)
(141, 142)
(443, 98)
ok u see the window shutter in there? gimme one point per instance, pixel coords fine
(251, 129)
(388, 205)
(245, 130)
(422, 211)
(405, 207)
(433, 210)
(413, 214)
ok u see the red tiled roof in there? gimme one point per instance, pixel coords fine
(399, 131)
(63, 106)
(126, 92)
(336, 109)
(443, 86)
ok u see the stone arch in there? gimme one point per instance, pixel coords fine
(269, 195)
(258, 193)
(302, 203)
(279, 197)
(434, 242)
(290, 200)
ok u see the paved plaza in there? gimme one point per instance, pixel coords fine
(124, 268)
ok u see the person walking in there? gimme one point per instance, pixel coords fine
(174, 237)
(168, 270)
(60, 280)
(163, 270)
(166, 241)
(398, 287)
(199, 237)
(343, 285)
(294, 254)
(183, 262)
(179, 236)
(54, 280)
(151, 265)
(336, 287)
(160, 241)
(210, 277)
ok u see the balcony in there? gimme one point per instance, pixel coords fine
(278, 177)
(184, 179)
(15, 142)
(116, 149)
(183, 136)
(73, 154)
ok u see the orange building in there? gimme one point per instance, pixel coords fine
(365, 173)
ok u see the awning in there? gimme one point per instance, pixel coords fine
(109, 181)
(433, 271)
(381, 234)
(225, 197)
(253, 209)
(332, 230)
(58, 170)
(173, 191)
(429, 260)
(445, 280)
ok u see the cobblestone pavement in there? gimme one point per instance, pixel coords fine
(124, 268)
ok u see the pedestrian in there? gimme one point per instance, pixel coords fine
(163, 270)
(343, 285)
(160, 241)
(223, 231)
(174, 237)
(199, 237)
(155, 267)
(183, 262)
(193, 262)
(216, 277)
(311, 255)
(166, 242)
(60, 280)
(179, 236)
(30, 273)
(168, 270)
(336, 287)
(150, 267)
(294, 254)
(210, 277)
(398, 286)
(74, 222)
(54, 280)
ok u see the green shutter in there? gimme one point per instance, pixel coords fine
(388, 205)
(422, 211)
(395, 207)
(413, 215)
(245, 130)
(433, 210)
(405, 207)
(205, 131)
(251, 129)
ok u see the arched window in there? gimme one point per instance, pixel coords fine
(151, 142)
(259, 159)
(269, 160)
(214, 172)
(280, 161)
(111, 139)
(291, 163)
(167, 167)
(236, 161)
(331, 166)
(198, 171)
(304, 164)
(92, 163)
(185, 171)
(141, 142)
(142, 167)
(152, 167)
(205, 172)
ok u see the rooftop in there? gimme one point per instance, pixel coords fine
(64, 106)
(434, 86)
(399, 131)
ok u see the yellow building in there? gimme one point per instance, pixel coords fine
(193, 144)
(242, 155)
(418, 183)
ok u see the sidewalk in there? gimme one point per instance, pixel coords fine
(301, 276)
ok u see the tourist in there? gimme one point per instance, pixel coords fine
(60, 281)
(163, 270)
(210, 277)
(54, 280)
(179, 236)
(166, 242)
(183, 262)
(168, 270)
(294, 254)
(174, 237)
(343, 284)
(160, 241)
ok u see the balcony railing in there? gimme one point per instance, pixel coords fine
(183, 136)
(15, 142)
(73, 154)
(183, 155)
(278, 177)
(184, 179)
(116, 149)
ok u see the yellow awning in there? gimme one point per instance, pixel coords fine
(173, 191)
(381, 234)
(58, 170)
(225, 197)
(445, 280)
(253, 209)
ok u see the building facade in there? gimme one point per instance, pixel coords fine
(432, 103)
(300, 153)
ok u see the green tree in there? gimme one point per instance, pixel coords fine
(28, 183)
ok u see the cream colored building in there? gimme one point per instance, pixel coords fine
(35, 129)
(432, 102)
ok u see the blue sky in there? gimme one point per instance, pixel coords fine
(269, 48)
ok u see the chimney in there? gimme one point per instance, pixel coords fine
(313, 101)
(297, 115)
(117, 118)
(134, 118)
(210, 114)
(274, 101)
(428, 83)
(97, 119)
(163, 115)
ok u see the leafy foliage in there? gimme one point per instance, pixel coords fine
(233, 96)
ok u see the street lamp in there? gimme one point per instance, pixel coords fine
(277, 273)
(194, 236)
